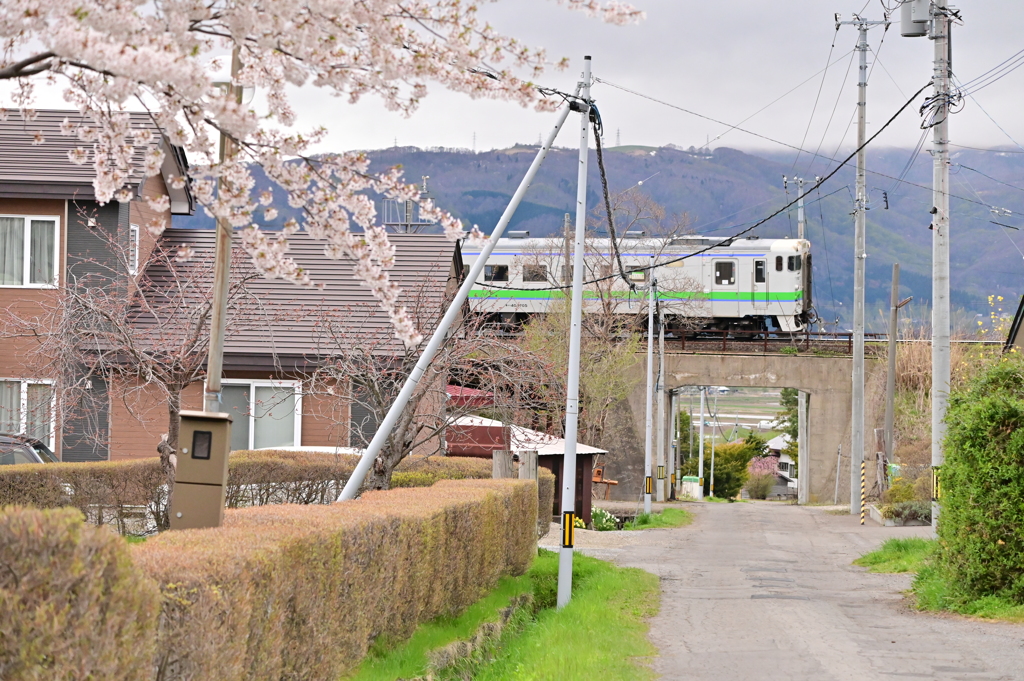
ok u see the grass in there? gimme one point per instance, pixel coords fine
(132, 539)
(930, 590)
(387, 662)
(723, 500)
(669, 517)
(600, 634)
(898, 555)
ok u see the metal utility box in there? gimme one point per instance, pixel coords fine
(204, 441)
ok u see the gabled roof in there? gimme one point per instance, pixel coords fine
(423, 267)
(43, 171)
(527, 439)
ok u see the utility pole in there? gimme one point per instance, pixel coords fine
(662, 454)
(714, 425)
(890, 379)
(800, 220)
(221, 271)
(649, 418)
(572, 401)
(700, 445)
(673, 407)
(922, 18)
(859, 260)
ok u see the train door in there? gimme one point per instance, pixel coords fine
(725, 294)
(759, 291)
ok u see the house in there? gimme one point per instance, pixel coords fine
(479, 436)
(49, 226)
(786, 484)
(54, 234)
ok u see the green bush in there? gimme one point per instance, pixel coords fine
(902, 490)
(981, 545)
(730, 468)
(759, 485)
(72, 605)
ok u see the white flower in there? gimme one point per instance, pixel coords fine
(37, 138)
(159, 203)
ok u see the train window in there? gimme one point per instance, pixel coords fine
(799, 262)
(535, 273)
(496, 273)
(791, 263)
(724, 273)
(760, 271)
(778, 263)
(640, 276)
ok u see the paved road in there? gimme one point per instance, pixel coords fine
(764, 591)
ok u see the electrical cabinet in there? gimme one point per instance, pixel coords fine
(204, 442)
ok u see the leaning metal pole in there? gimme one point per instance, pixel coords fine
(221, 273)
(454, 310)
(572, 402)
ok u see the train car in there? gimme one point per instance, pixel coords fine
(751, 284)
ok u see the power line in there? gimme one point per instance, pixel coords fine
(821, 85)
(1005, 184)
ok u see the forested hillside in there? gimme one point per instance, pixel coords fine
(726, 190)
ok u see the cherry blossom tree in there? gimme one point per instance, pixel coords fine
(113, 55)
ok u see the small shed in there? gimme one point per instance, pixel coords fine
(479, 436)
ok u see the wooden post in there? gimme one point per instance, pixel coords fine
(502, 464)
(528, 465)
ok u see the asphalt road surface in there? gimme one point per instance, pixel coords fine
(764, 591)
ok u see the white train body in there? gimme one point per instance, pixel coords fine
(749, 284)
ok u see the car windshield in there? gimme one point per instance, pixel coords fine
(12, 453)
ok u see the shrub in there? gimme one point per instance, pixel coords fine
(981, 546)
(730, 468)
(759, 485)
(300, 592)
(900, 491)
(72, 606)
(603, 520)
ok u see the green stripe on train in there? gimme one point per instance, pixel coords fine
(747, 296)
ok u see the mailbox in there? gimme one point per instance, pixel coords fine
(204, 441)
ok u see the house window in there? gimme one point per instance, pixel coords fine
(265, 413)
(784, 467)
(26, 408)
(495, 272)
(133, 249)
(535, 273)
(28, 250)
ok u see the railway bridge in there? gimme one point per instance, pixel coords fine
(823, 375)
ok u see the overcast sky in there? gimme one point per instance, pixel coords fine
(725, 60)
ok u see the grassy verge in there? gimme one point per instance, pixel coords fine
(387, 662)
(601, 633)
(930, 590)
(669, 517)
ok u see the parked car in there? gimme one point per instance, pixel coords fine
(15, 449)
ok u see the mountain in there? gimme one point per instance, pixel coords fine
(726, 190)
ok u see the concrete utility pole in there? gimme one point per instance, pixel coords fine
(700, 445)
(673, 405)
(572, 403)
(649, 420)
(221, 271)
(714, 425)
(800, 220)
(859, 262)
(890, 379)
(662, 445)
(454, 311)
(803, 465)
(923, 18)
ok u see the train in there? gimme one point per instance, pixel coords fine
(755, 285)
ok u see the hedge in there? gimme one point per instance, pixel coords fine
(981, 545)
(278, 592)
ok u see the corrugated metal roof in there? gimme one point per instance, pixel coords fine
(423, 264)
(32, 171)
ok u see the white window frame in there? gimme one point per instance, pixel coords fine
(23, 406)
(133, 249)
(252, 384)
(27, 262)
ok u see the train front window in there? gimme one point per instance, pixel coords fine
(496, 273)
(724, 273)
(760, 271)
(535, 273)
(793, 263)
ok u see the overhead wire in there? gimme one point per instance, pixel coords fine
(824, 243)
(824, 73)
(728, 240)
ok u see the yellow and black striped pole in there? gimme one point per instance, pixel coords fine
(863, 492)
(568, 529)
(648, 485)
(661, 472)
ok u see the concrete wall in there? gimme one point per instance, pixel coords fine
(826, 380)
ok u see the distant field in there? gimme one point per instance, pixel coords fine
(741, 408)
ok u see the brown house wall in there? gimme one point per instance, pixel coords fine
(138, 418)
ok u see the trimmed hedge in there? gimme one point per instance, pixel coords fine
(72, 605)
(981, 545)
(278, 592)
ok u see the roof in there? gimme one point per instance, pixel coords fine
(423, 268)
(43, 171)
(778, 443)
(526, 439)
(462, 396)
